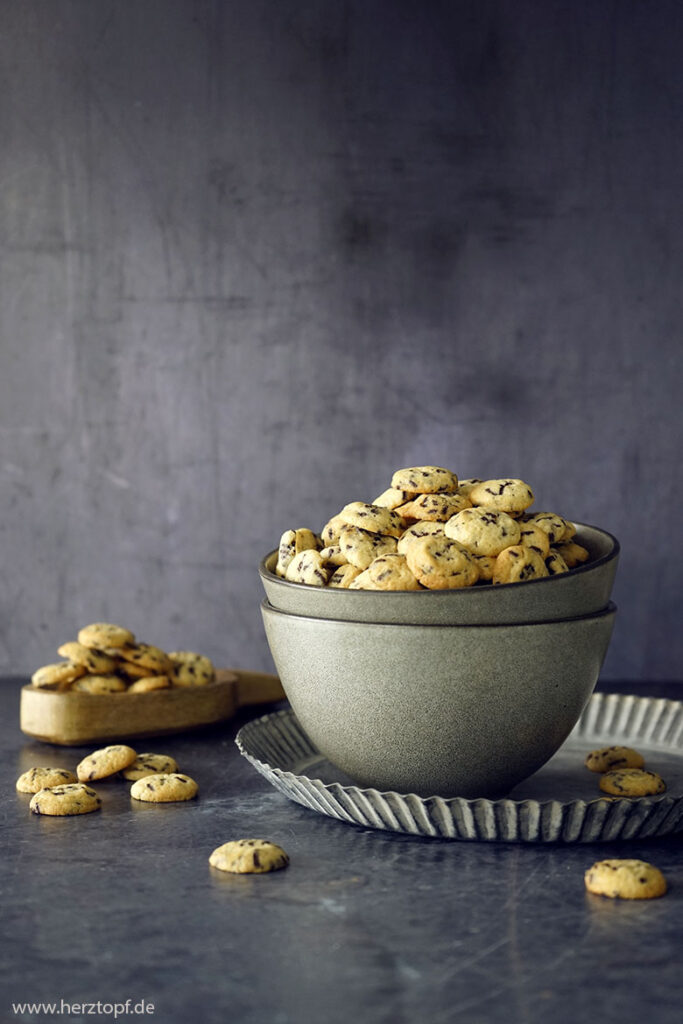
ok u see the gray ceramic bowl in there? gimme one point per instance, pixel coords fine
(437, 710)
(582, 591)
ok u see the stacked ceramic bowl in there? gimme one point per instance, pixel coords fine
(452, 692)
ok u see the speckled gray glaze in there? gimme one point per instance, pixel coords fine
(437, 710)
(583, 591)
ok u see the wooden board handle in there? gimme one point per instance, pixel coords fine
(257, 688)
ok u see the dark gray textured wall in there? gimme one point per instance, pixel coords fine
(255, 255)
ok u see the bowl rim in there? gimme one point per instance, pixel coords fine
(610, 609)
(481, 588)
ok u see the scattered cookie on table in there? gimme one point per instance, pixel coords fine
(625, 879)
(105, 762)
(491, 519)
(36, 779)
(72, 798)
(149, 764)
(609, 758)
(249, 857)
(164, 788)
(632, 782)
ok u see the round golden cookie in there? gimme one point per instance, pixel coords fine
(423, 528)
(99, 684)
(361, 547)
(485, 564)
(551, 523)
(101, 635)
(333, 556)
(607, 759)
(517, 564)
(466, 486)
(191, 669)
(555, 563)
(424, 479)
(307, 567)
(91, 660)
(388, 572)
(343, 577)
(392, 498)
(149, 764)
(440, 563)
(625, 879)
(147, 656)
(483, 531)
(532, 536)
(131, 671)
(330, 532)
(56, 676)
(59, 801)
(148, 683)
(249, 857)
(435, 508)
(164, 788)
(36, 779)
(574, 554)
(373, 518)
(293, 542)
(105, 762)
(631, 782)
(503, 495)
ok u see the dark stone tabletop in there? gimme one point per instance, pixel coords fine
(363, 926)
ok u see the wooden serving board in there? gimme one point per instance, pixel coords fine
(71, 718)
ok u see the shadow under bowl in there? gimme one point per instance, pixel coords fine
(438, 710)
(582, 591)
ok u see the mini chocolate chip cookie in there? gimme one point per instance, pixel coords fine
(147, 656)
(532, 536)
(249, 857)
(573, 554)
(423, 528)
(632, 782)
(361, 547)
(503, 495)
(425, 480)
(99, 684)
(307, 567)
(555, 563)
(551, 524)
(343, 577)
(146, 684)
(440, 563)
(607, 759)
(164, 788)
(92, 660)
(57, 676)
(36, 779)
(625, 879)
(388, 572)
(105, 762)
(517, 564)
(102, 635)
(71, 798)
(435, 508)
(149, 764)
(483, 531)
(191, 669)
(373, 518)
(292, 543)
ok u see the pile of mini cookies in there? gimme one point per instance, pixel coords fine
(431, 531)
(107, 658)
